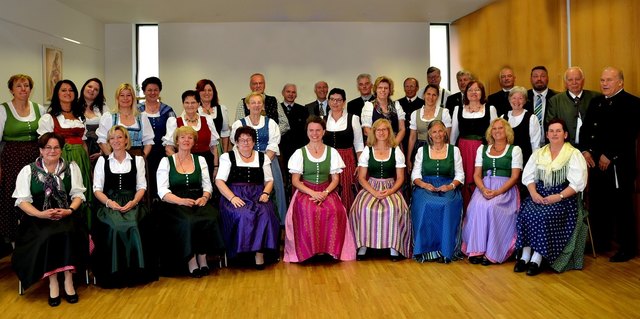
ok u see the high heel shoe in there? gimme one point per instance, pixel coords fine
(54, 301)
(196, 273)
(72, 298)
(205, 271)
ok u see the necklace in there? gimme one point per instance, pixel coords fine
(180, 161)
(498, 150)
(247, 157)
(191, 120)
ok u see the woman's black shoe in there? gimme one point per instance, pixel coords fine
(54, 302)
(260, 266)
(196, 273)
(72, 298)
(533, 269)
(361, 257)
(475, 260)
(520, 266)
(205, 271)
(486, 262)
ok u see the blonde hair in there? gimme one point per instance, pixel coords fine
(185, 130)
(124, 131)
(391, 139)
(252, 94)
(125, 87)
(507, 129)
(382, 79)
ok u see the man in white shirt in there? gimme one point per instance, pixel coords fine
(320, 106)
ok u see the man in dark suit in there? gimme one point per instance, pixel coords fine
(296, 137)
(319, 107)
(257, 84)
(410, 102)
(364, 87)
(500, 99)
(538, 97)
(608, 140)
(572, 105)
(463, 77)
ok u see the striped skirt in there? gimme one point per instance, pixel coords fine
(382, 223)
(490, 224)
(312, 229)
(347, 178)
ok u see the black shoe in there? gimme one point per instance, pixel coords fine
(395, 258)
(260, 266)
(196, 273)
(446, 260)
(204, 271)
(54, 301)
(475, 259)
(533, 269)
(520, 266)
(486, 262)
(72, 298)
(361, 257)
(620, 257)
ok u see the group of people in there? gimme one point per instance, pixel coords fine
(481, 179)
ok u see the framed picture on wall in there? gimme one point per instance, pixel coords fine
(52, 68)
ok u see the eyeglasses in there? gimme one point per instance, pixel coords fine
(51, 148)
(244, 140)
(335, 100)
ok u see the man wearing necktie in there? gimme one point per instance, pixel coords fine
(608, 140)
(572, 105)
(538, 96)
(319, 107)
(410, 102)
(500, 99)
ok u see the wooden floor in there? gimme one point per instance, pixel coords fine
(366, 289)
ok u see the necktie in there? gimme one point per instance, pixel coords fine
(322, 112)
(537, 109)
(576, 100)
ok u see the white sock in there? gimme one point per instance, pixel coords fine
(193, 264)
(526, 254)
(536, 258)
(202, 261)
(394, 252)
(362, 250)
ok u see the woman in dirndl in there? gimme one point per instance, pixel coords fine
(380, 216)
(316, 222)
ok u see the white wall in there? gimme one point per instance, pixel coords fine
(27, 25)
(297, 52)
(119, 59)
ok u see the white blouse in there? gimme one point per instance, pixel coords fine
(225, 166)
(516, 155)
(341, 125)
(416, 172)
(119, 168)
(94, 120)
(106, 122)
(162, 175)
(576, 174)
(296, 162)
(22, 193)
(30, 117)
(274, 132)
(172, 125)
(224, 131)
(363, 160)
(419, 114)
(535, 133)
(455, 131)
(367, 113)
(45, 124)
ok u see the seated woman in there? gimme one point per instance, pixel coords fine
(550, 224)
(267, 142)
(51, 238)
(316, 221)
(121, 228)
(379, 215)
(187, 222)
(436, 203)
(489, 231)
(249, 221)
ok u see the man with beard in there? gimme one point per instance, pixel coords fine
(538, 96)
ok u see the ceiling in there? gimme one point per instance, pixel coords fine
(209, 11)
